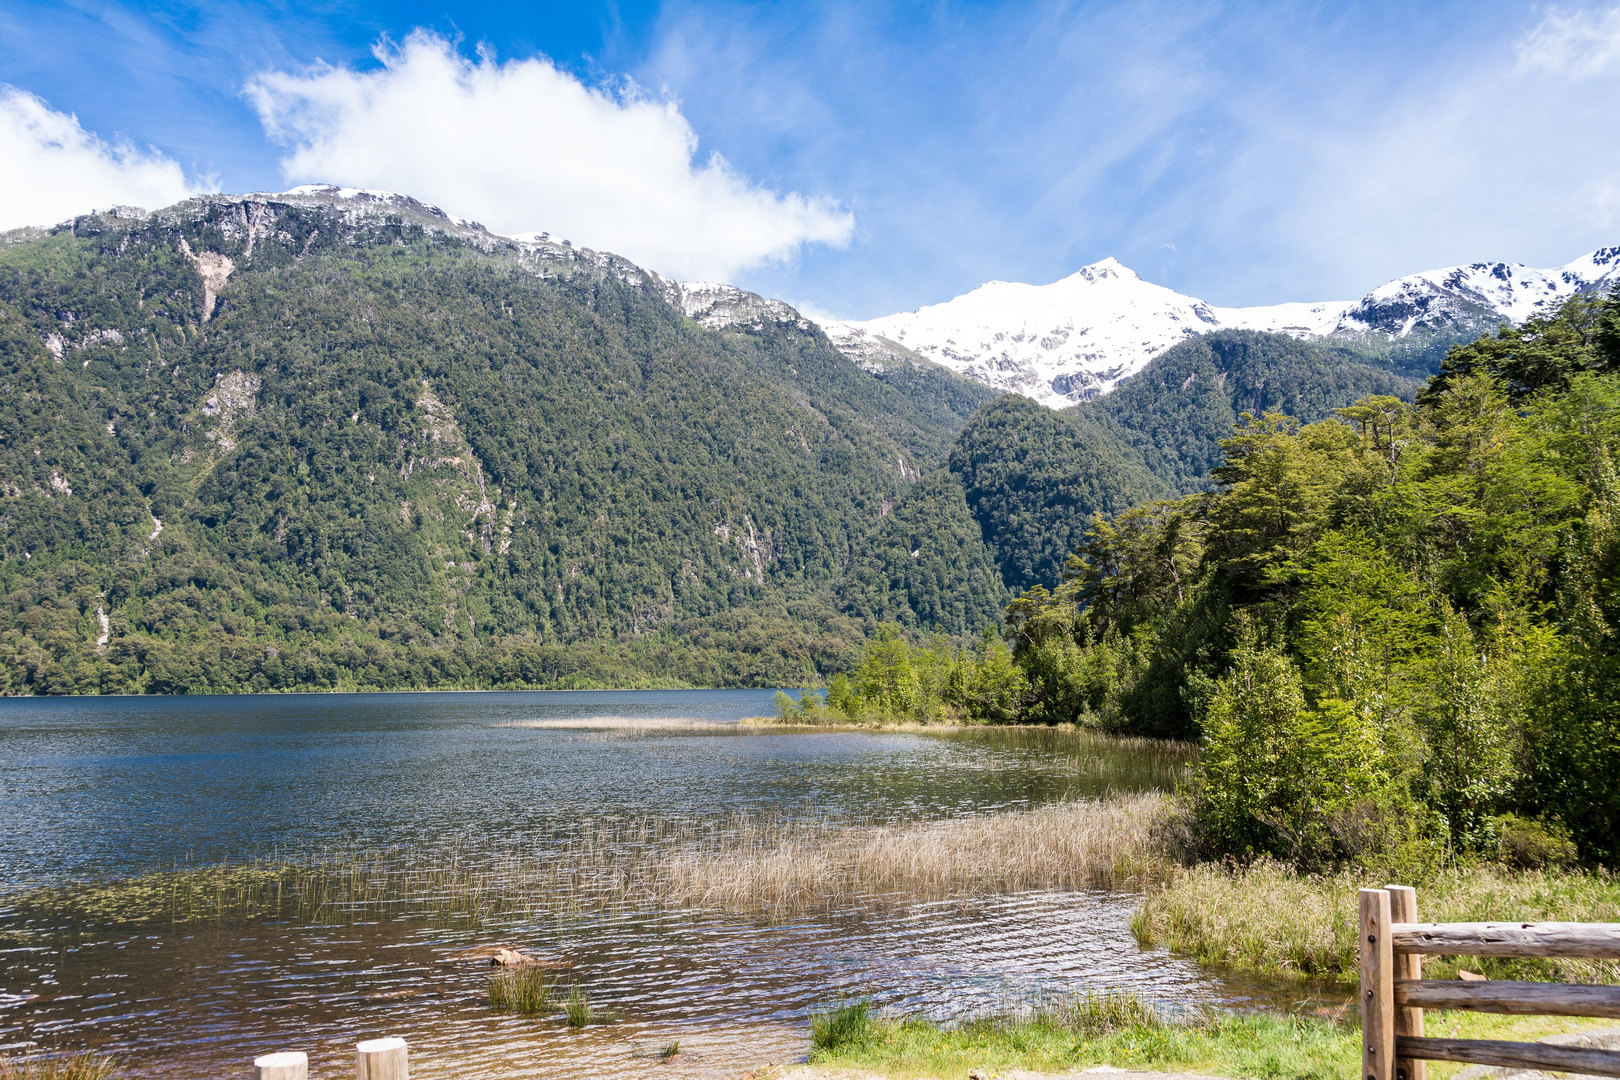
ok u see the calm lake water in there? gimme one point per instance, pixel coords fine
(102, 789)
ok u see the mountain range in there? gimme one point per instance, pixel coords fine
(1080, 337)
(339, 438)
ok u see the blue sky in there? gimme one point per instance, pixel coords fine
(873, 157)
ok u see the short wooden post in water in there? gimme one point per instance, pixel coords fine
(1377, 988)
(287, 1065)
(1408, 1020)
(380, 1059)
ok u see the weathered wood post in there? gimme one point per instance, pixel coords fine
(1408, 1020)
(286, 1065)
(1377, 987)
(380, 1059)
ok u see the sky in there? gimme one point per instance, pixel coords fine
(862, 158)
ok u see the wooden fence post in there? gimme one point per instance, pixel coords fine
(380, 1059)
(1408, 1020)
(1377, 987)
(287, 1065)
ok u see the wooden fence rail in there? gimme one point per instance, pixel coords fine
(1394, 992)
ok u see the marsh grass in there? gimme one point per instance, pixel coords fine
(1270, 919)
(1096, 1014)
(845, 1027)
(577, 1008)
(770, 867)
(81, 1066)
(526, 989)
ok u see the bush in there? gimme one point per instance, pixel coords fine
(1526, 844)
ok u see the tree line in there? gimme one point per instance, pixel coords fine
(1395, 631)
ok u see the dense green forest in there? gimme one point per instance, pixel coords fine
(1395, 630)
(1035, 478)
(297, 442)
(385, 454)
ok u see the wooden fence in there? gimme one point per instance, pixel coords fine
(1394, 992)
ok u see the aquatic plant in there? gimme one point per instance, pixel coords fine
(773, 867)
(86, 1065)
(525, 989)
(670, 1051)
(577, 1008)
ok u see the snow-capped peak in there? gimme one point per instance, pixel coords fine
(1079, 336)
(1057, 343)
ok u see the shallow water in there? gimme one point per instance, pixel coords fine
(99, 789)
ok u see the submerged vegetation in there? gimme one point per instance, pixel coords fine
(752, 866)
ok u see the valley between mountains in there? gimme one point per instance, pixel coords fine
(339, 439)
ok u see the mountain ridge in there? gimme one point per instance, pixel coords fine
(1081, 336)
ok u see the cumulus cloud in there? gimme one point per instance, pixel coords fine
(51, 168)
(522, 146)
(1582, 44)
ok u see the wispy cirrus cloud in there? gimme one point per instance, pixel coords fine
(523, 146)
(1247, 154)
(1578, 44)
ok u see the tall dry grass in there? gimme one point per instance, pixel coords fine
(756, 866)
(1273, 920)
(1089, 843)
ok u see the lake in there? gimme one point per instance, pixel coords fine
(102, 790)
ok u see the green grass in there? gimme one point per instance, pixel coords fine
(1126, 1032)
(842, 1029)
(82, 1066)
(525, 990)
(1270, 920)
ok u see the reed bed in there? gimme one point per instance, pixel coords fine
(749, 865)
(87, 1065)
(1272, 920)
(1084, 844)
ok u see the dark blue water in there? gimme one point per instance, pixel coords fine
(98, 787)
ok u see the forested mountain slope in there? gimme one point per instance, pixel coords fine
(1175, 412)
(1034, 478)
(289, 441)
(339, 439)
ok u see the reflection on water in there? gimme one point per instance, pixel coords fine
(101, 788)
(734, 994)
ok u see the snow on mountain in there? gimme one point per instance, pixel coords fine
(720, 307)
(1077, 338)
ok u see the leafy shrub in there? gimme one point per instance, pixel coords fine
(1527, 844)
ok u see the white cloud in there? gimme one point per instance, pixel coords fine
(523, 146)
(1582, 44)
(51, 168)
